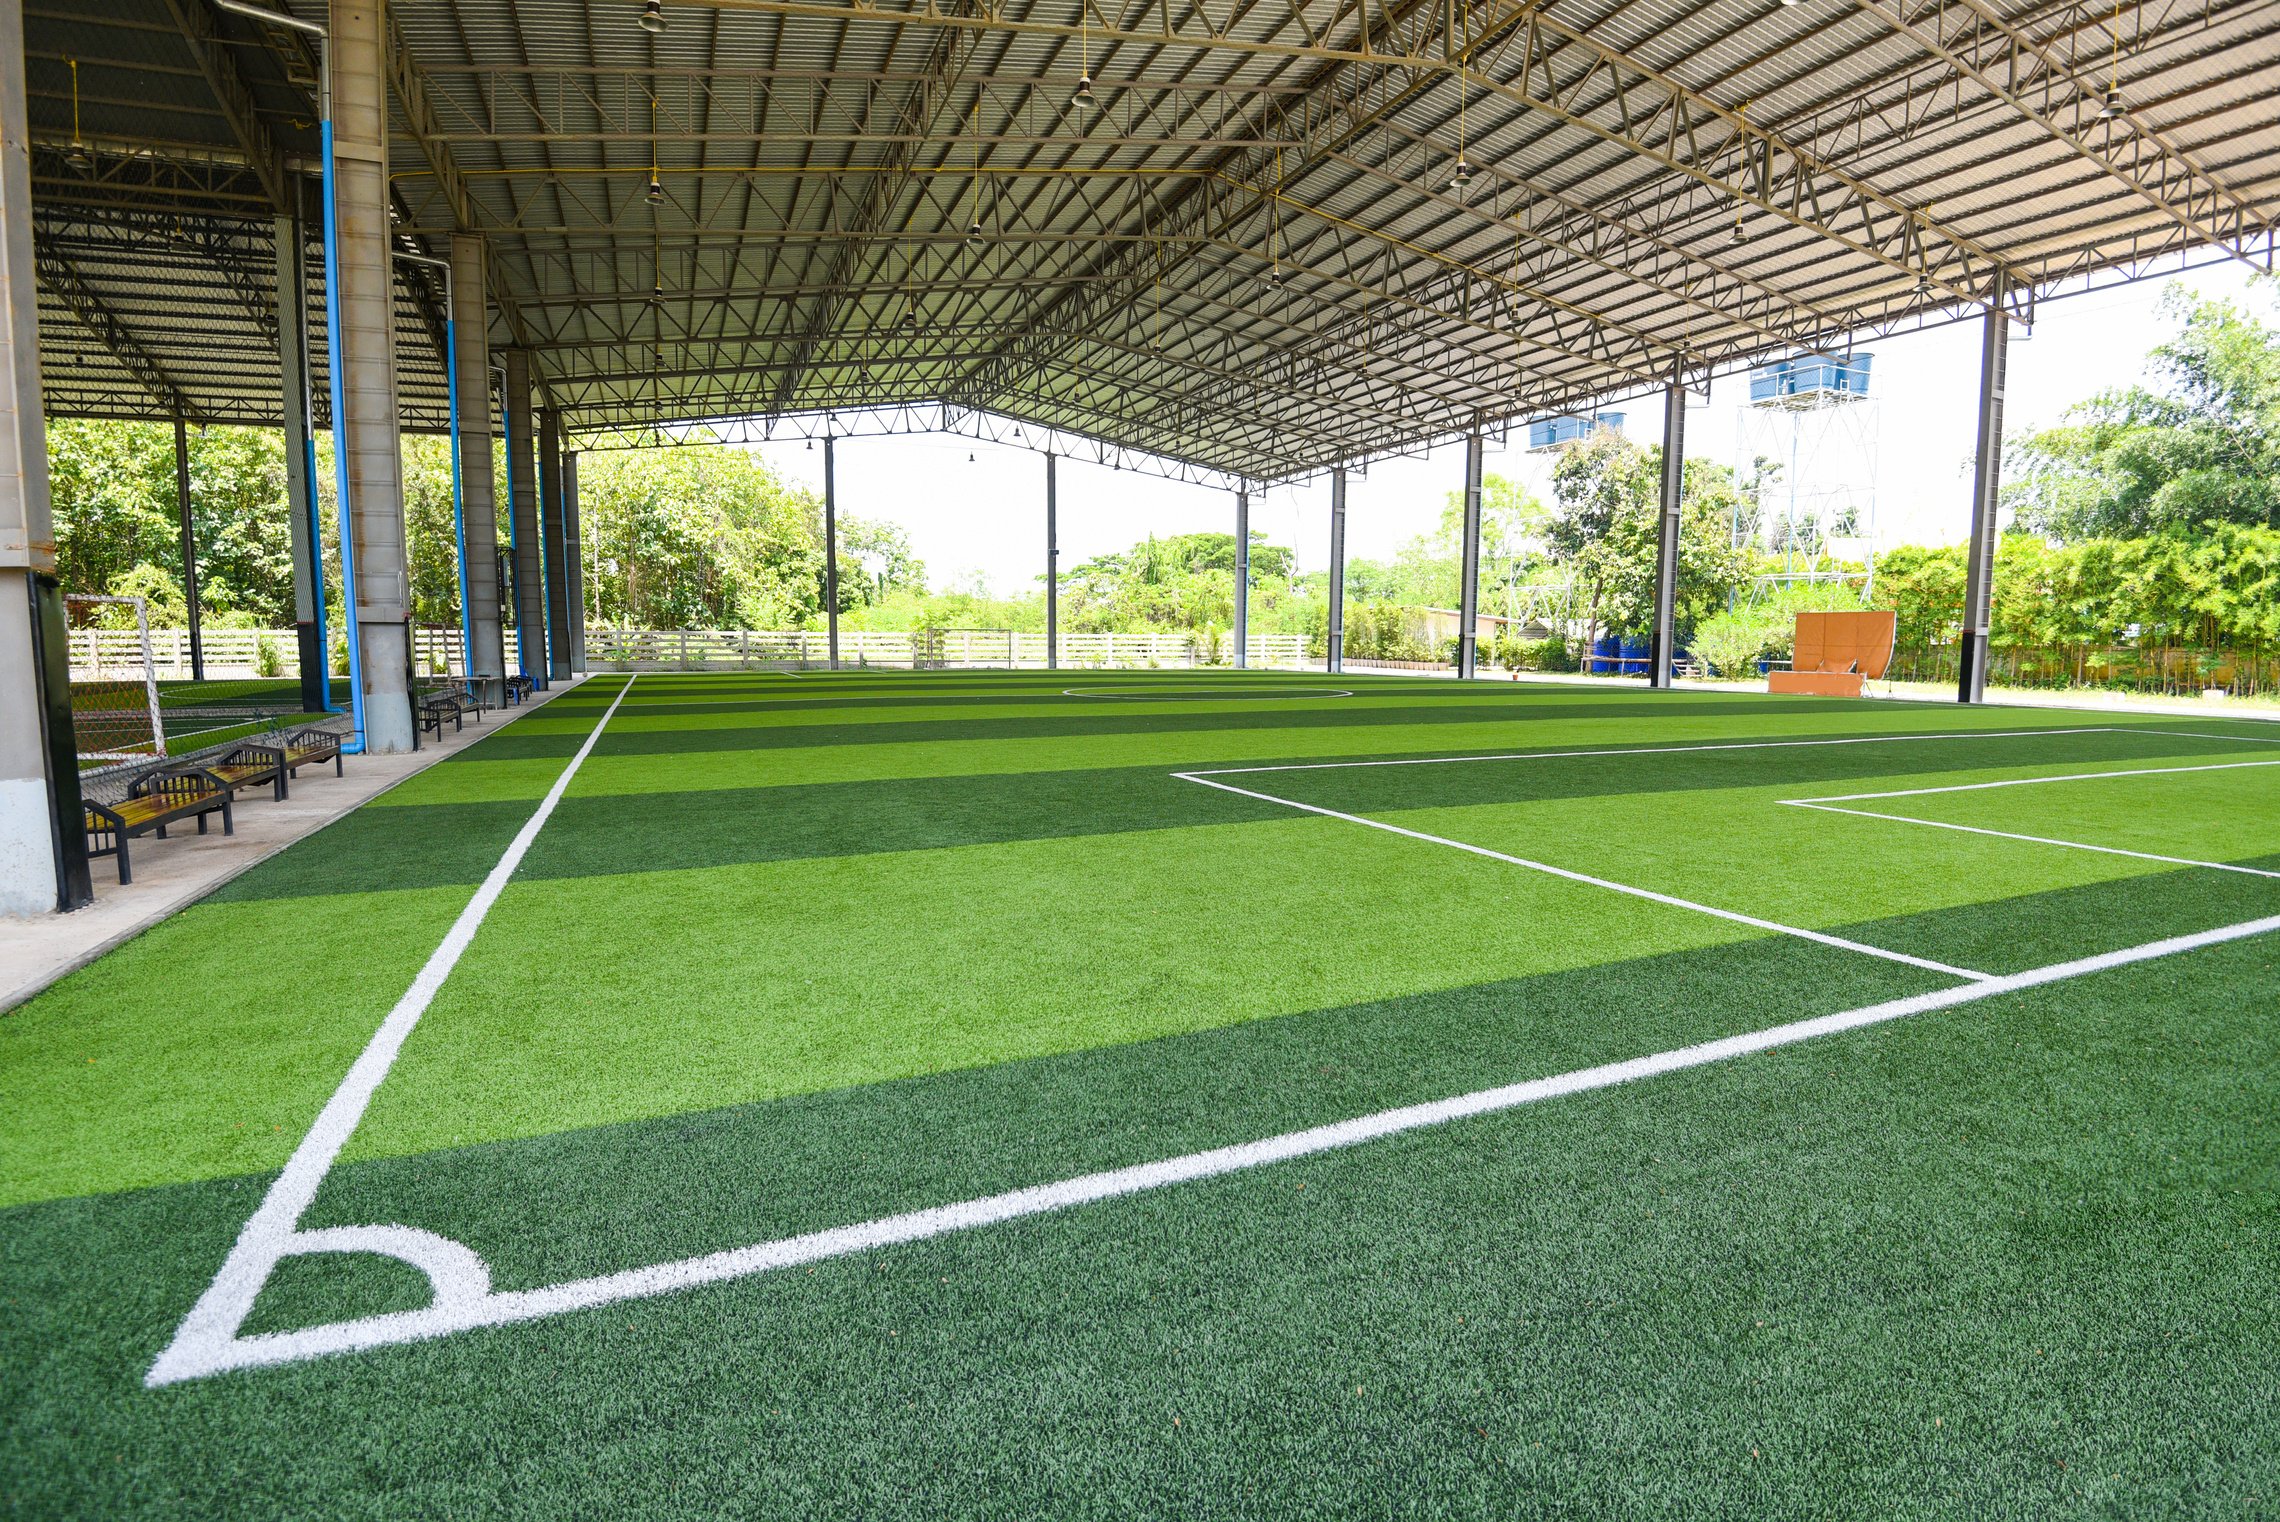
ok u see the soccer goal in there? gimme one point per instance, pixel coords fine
(114, 682)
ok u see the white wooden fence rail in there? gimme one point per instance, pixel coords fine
(237, 654)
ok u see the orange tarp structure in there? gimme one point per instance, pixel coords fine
(1836, 653)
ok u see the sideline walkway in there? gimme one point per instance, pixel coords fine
(186, 866)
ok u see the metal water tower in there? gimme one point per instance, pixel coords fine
(1809, 432)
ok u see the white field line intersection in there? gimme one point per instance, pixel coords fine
(207, 1336)
(208, 1341)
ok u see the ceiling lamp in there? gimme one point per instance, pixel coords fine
(77, 155)
(1461, 177)
(2111, 110)
(657, 291)
(656, 191)
(1082, 100)
(974, 231)
(653, 16)
(1923, 285)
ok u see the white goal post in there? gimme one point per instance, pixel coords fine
(114, 684)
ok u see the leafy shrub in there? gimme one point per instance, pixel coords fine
(1731, 643)
(268, 660)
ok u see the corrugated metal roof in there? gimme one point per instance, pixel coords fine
(1658, 185)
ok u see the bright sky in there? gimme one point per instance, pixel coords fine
(984, 516)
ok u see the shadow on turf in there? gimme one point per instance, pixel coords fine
(431, 845)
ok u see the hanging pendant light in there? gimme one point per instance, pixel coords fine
(2112, 110)
(656, 192)
(1461, 177)
(77, 155)
(652, 16)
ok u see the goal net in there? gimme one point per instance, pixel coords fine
(114, 682)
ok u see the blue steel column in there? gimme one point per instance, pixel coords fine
(371, 446)
(1662, 647)
(1337, 662)
(1242, 578)
(1986, 480)
(1468, 593)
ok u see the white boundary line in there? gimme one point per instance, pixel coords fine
(204, 1340)
(1203, 694)
(1597, 882)
(1830, 806)
(462, 1305)
(208, 1341)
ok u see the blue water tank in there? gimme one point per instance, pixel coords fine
(1804, 374)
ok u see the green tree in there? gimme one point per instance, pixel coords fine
(1604, 528)
(2200, 447)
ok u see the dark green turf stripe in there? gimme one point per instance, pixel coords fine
(2012, 1261)
(427, 844)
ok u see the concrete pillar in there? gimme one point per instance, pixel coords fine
(1661, 646)
(1052, 565)
(1242, 578)
(189, 547)
(478, 498)
(574, 559)
(557, 553)
(1337, 662)
(522, 509)
(1986, 482)
(1468, 590)
(43, 846)
(301, 459)
(371, 444)
(830, 553)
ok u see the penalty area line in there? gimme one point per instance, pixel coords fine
(487, 1309)
(208, 1333)
(1735, 916)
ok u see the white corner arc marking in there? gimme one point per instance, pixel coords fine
(206, 1340)
(443, 1319)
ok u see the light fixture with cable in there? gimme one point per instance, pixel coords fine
(974, 228)
(2111, 109)
(77, 155)
(1082, 100)
(653, 16)
(1461, 177)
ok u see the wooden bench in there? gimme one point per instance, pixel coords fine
(1836, 654)
(152, 803)
(307, 747)
(251, 766)
(439, 706)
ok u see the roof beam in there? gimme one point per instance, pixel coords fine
(63, 281)
(2028, 78)
(196, 20)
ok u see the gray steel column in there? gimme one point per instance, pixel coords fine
(830, 552)
(370, 433)
(557, 552)
(574, 560)
(1660, 646)
(189, 546)
(1468, 592)
(1986, 480)
(478, 496)
(300, 462)
(1052, 565)
(43, 845)
(1242, 578)
(522, 519)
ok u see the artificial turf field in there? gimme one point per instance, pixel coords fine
(852, 1095)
